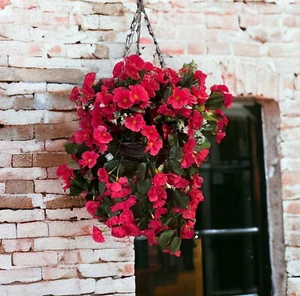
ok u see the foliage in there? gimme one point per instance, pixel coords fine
(143, 135)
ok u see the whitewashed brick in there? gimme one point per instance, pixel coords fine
(106, 269)
(17, 245)
(85, 242)
(22, 173)
(293, 286)
(21, 215)
(18, 147)
(54, 243)
(5, 160)
(77, 256)
(34, 258)
(59, 287)
(66, 214)
(5, 261)
(293, 268)
(2, 187)
(90, 22)
(7, 230)
(49, 186)
(66, 228)
(61, 272)
(36, 229)
(110, 255)
(25, 275)
(110, 285)
(55, 145)
(59, 87)
(12, 117)
(25, 88)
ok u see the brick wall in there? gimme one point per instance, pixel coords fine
(46, 46)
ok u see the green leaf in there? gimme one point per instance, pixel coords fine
(175, 244)
(215, 101)
(70, 148)
(101, 187)
(205, 144)
(167, 93)
(175, 153)
(169, 220)
(143, 186)
(110, 165)
(165, 238)
(193, 170)
(141, 170)
(173, 139)
(173, 166)
(75, 190)
(181, 199)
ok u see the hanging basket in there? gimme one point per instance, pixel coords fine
(142, 138)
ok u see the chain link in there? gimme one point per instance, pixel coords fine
(135, 28)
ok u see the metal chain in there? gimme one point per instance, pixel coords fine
(135, 28)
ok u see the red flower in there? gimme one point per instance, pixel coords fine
(135, 123)
(200, 156)
(164, 110)
(160, 179)
(102, 135)
(97, 235)
(124, 205)
(179, 98)
(200, 76)
(89, 159)
(195, 121)
(227, 97)
(65, 174)
(122, 98)
(74, 94)
(133, 64)
(120, 188)
(87, 91)
(156, 193)
(177, 181)
(150, 132)
(153, 146)
(103, 175)
(138, 94)
(92, 207)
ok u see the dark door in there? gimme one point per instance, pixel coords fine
(231, 232)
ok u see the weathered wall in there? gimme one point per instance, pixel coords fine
(46, 46)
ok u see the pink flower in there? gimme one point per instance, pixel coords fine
(150, 132)
(153, 146)
(160, 179)
(92, 207)
(137, 94)
(227, 97)
(135, 123)
(179, 98)
(97, 235)
(103, 175)
(89, 159)
(102, 135)
(122, 98)
(65, 174)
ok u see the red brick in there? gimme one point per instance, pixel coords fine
(55, 131)
(290, 178)
(109, 8)
(18, 187)
(22, 160)
(15, 202)
(66, 202)
(19, 133)
(50, 159)
(292, 207)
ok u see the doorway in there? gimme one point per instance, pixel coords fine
(230, 252)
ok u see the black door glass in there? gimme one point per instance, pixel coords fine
(230, 255)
